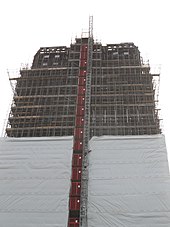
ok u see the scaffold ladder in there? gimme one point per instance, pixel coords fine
(79, 179)
(86, 135)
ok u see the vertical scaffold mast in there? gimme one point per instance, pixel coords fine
(84, 183)
(79, 179)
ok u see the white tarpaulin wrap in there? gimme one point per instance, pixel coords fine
(129, 182)
(35, 181)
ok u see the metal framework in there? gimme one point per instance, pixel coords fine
(86, 136)
(123, 97)
(79, 180)
(123, 93)
(76, 180)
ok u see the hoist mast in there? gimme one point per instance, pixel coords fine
(79, 181)
(86, 136)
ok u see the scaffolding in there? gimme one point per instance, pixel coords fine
(123, 93)
(79, 180)
(86, 135)
(78, 145)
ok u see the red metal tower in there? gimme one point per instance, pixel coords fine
(79, 179)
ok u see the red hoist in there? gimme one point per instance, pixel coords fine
(79, 179)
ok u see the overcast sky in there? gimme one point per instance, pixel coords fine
(28, 25)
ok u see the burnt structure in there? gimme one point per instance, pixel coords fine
(122, 93)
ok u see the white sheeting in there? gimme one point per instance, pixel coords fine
(129, 182)
(35, 181)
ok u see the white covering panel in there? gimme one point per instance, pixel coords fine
(129, 182)
(35, 181)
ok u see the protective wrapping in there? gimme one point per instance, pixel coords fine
(129, 183)
(35, 181)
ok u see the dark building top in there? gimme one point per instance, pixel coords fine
(122, 94)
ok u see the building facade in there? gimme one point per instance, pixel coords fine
(122, 93)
